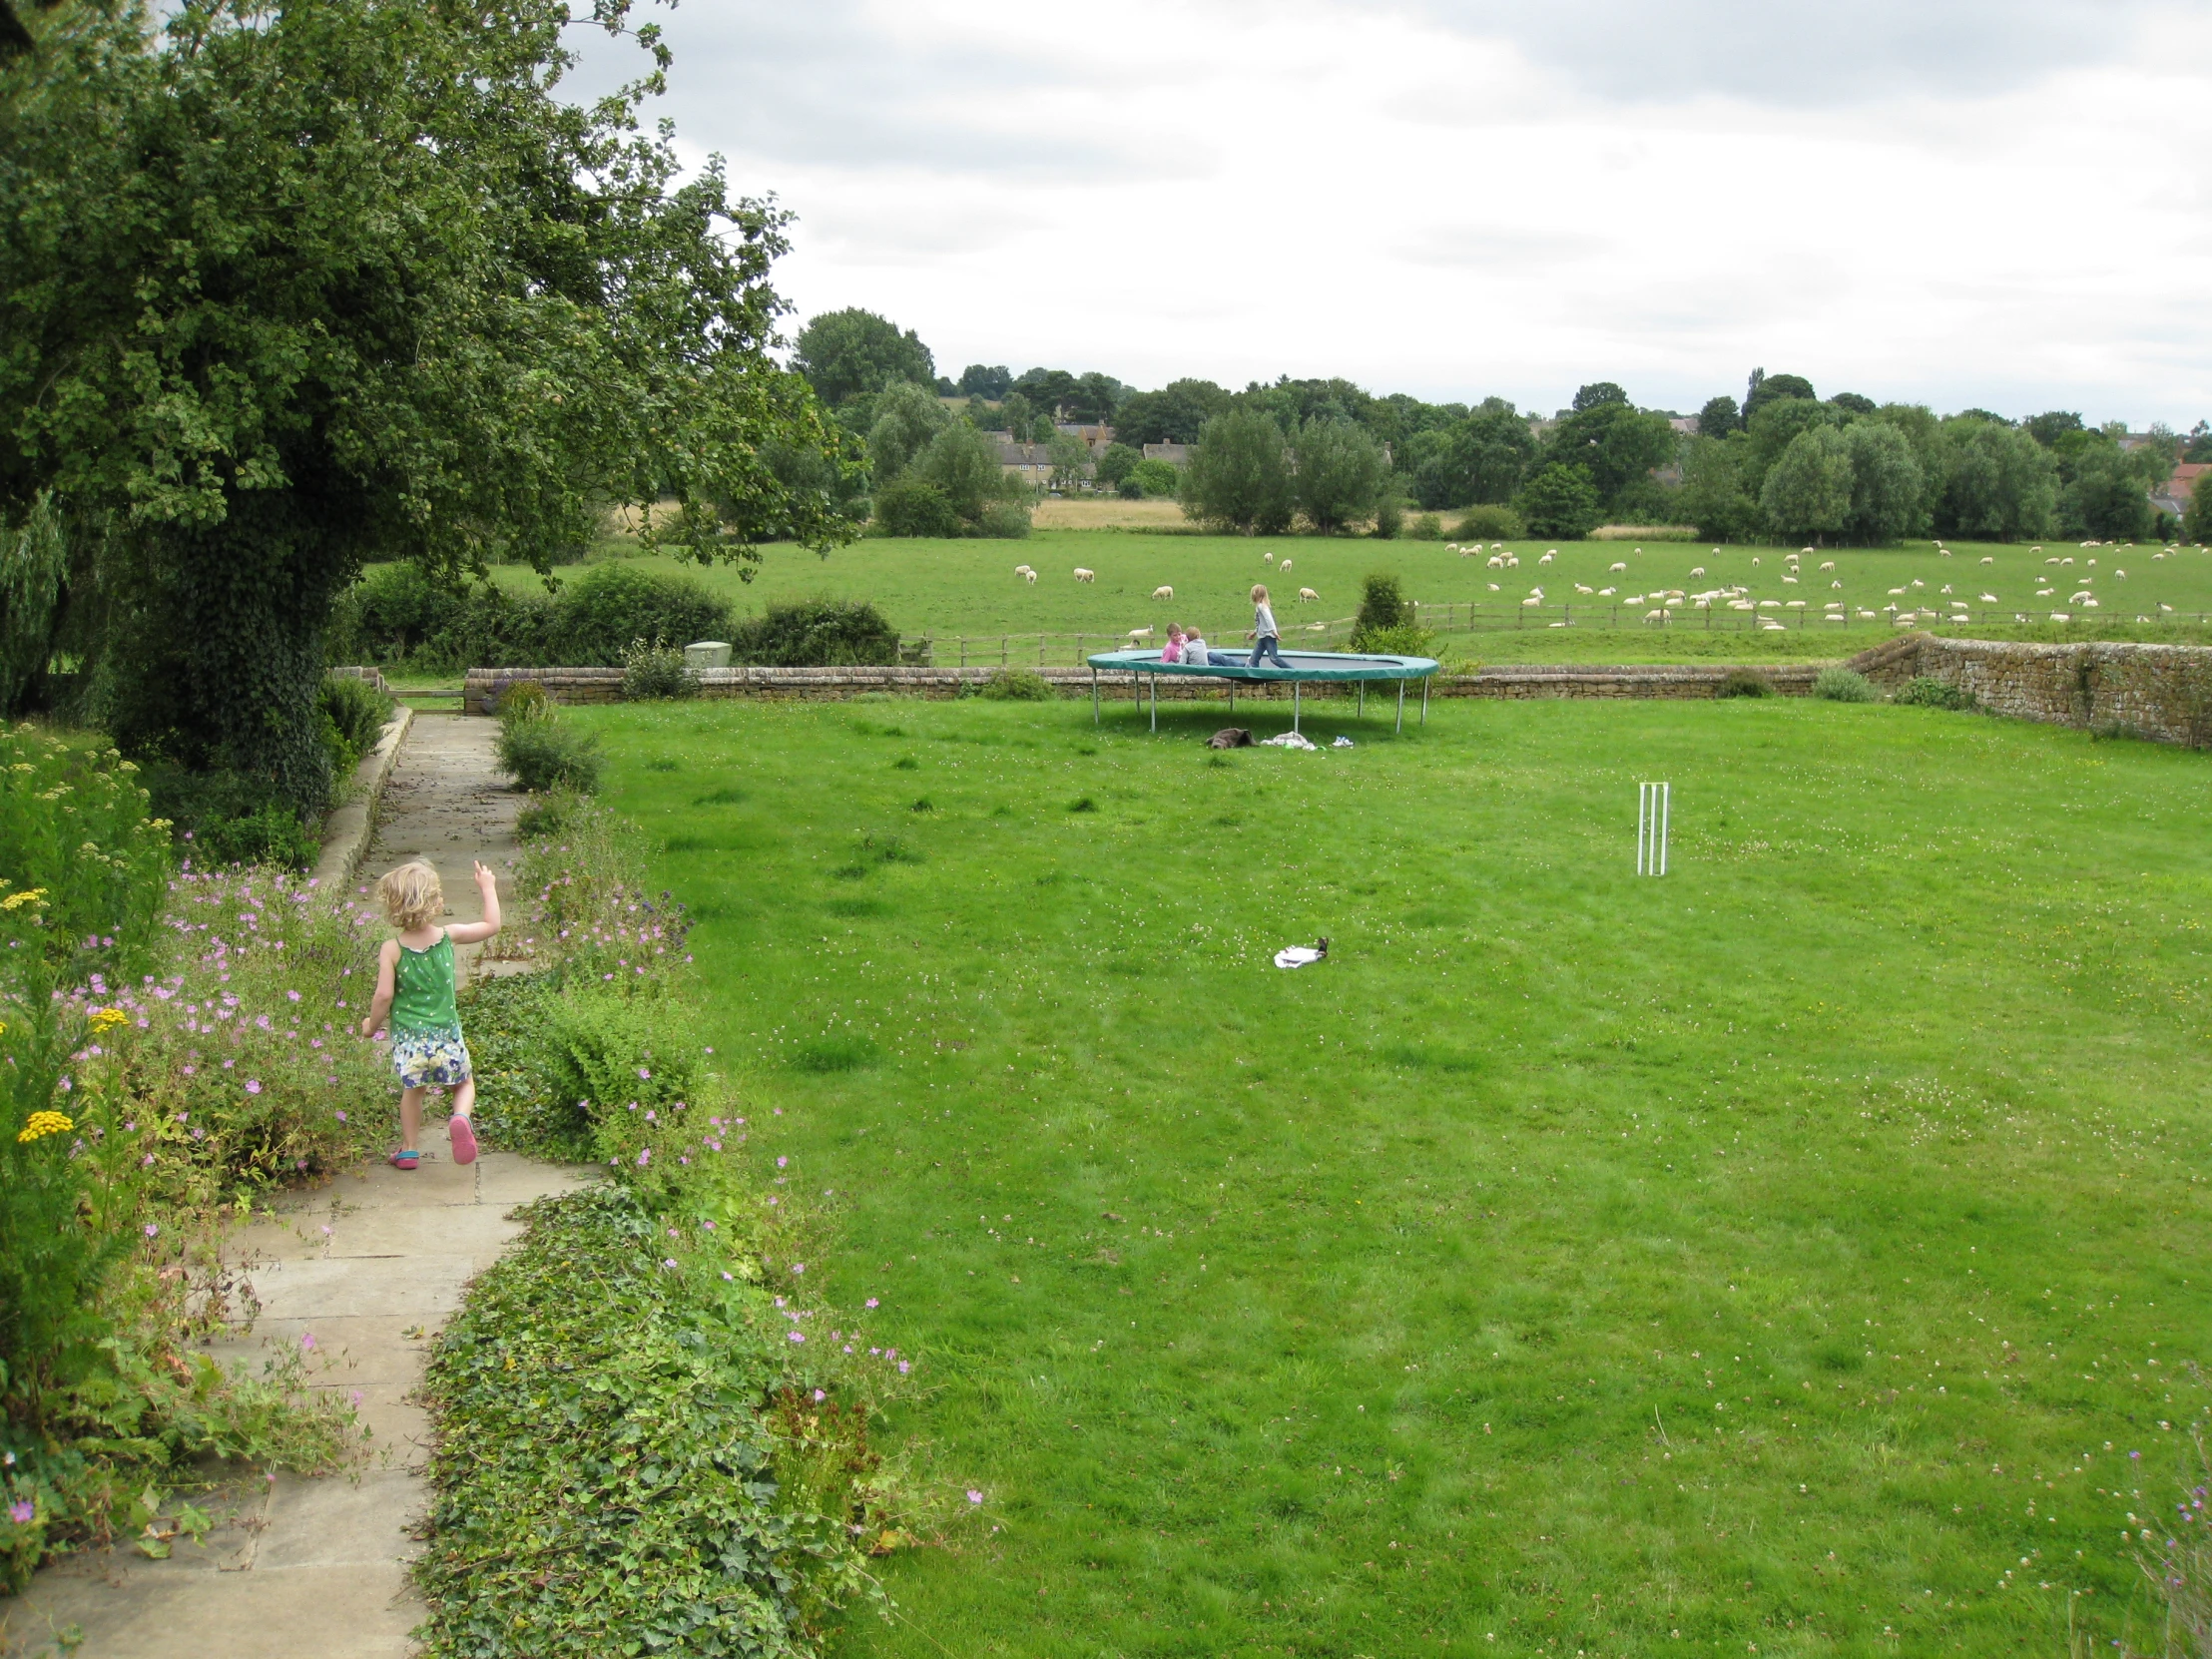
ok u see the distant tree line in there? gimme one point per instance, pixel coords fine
(1782, 463)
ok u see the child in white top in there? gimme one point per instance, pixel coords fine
(1264, 630)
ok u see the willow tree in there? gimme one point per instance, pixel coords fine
(294, 285)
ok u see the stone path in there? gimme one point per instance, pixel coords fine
(369, 1268)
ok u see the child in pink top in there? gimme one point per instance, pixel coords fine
(1172, 652)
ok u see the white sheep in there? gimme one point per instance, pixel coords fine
(1835, 584)
(1303, 594)
(1698, 571)
(1021, 570)
(1082, 575)
(1606, 593)
(1533, 599)
(1138, 636)
(1163, 593)
(1545, 560)
(1947, 586)
(1828, 564)
(1029, 576)
(1579, 588)
(1284, 567)
(1616, 570)
(1988, 599)
(1987, 559)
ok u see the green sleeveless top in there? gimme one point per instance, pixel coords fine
(422, 989)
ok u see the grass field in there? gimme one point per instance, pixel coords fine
(956, 588)
(1793, 1255)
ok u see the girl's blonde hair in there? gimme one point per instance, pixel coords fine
(412, 895)
(1259, 592)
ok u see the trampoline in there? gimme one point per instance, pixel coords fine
(1329, 667)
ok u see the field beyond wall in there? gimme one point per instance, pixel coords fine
(1804, 1252)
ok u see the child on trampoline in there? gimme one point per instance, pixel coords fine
(1172, 652)
(1268, 636)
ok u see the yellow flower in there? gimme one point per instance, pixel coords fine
(106, 1020)
(43, 1124)
(29, 895)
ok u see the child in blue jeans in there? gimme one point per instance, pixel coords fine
(1264, 630)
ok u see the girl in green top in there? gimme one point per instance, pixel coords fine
(415, 985)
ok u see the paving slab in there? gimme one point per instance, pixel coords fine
(370, 1266)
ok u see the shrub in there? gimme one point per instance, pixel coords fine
(1017, 685)
(655, 670)
(541, 750)
(1425, 527)
(911, 507)
(1155, 480)
(1489, 524)
(1387, 621)
(1006, 520)
(226, 817)
(1744, 682)
(612, 605)
(1389, 520)
(816, 633)
(1842, 684)
(1926, 692)
(1407, 640)
(631, 1066)
(356, 713)
(79, 861)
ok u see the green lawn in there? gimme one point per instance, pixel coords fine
(955, 589)
(1791, 1253)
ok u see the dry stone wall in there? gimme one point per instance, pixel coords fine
(480, 690)
(2162, 692)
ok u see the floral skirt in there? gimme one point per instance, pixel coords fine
(423, 1058)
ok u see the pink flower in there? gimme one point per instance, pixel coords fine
(974, 1497)
(820, 1395)
(904, 1367)
(799, 1267)
(780, 1162)
(252, 1085)
(872, 1302)
(306, 1342)
(21, 1512)
(152, 1230)
(645, 1156)
(798, 1335)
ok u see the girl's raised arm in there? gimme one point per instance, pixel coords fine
(487, 888)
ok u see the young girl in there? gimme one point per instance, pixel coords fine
(415, 984)
(1264, 630)
(1172, 652)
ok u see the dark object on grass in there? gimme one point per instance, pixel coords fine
(1017, 685)
(1230, 737)
(1927, 691)
(1744, 682)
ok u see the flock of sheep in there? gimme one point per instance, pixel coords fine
(1665, 601)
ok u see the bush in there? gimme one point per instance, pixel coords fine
(1926, 692)
(612, 605)
(1017, 685)
(79, 861)
(1427, 527)
(541, 750)
(1155, 480)
(356, 713)
(396, 613)
(1385, 623)
(1489, 524)
(1744, 682)
(1407, 640)
(1559, 500)
(655, 670)
(225, 818)
(1389, 520)
(911, 507)
(816, 633)
(1842, 684)
(1005, 520)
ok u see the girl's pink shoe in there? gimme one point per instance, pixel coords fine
(465, 1140)
(403, 1160)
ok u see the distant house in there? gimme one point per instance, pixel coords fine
(2173, 495)
(1685, 425)
(1175, 454)
(1031, 462)
(1095, 436)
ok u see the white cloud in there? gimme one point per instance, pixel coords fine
(1453, 198)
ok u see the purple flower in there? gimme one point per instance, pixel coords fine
(641, 1072)
(798, 1335)
(152, 1230)
(799, 1267)
(780, 1162)
(974, 1497)
(904, 1367)
(341, 1115)
(252, 1085)
(872, 1302)
(667, 1262)
(645, 1156)
(306, 1342)
(820, 1395)
(21, 1512)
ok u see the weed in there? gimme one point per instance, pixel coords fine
(1842, 684)
(1744, 682)
(1926, 692)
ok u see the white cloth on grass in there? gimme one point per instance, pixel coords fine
(1297, 955)
(1342, 743)
(1287, 740)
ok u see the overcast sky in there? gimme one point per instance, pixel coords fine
(1956, 201)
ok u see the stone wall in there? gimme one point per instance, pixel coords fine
(480, 690)
(2155, 690)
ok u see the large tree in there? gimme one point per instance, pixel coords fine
(1174, 414)
(1476, 461)
(1618, 444)
(1806, 492)
(1339, 474)
(1995, 483)
(290, 286)
(851, 353)
(1240, 474)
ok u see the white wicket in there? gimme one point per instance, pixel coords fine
(1653, 802)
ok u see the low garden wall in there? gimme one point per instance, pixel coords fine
(480, 690)
(2162, 692)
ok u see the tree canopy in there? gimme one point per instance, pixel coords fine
(291, 288)
(846, 354)
(1240, 474)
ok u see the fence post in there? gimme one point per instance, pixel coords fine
(963, 650)
(1005, 645)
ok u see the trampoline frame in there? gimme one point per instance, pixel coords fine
(1342, 668)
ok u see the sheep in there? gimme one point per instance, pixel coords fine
(1492, 586)
(1836, 584)
(1021, 570)
(1698, 571)
(1579, 588)
(2163, 606)
(1082, 575)
(1947, 586)
(1655, 615)
(1896, 593)
(1804, 550)
(1284, 568)
(1790, 579)
(1268, 555)
(2119, 576)
(1029, 576)
(1545, 560)
(1163, 593)
(1137, 635)
(1828, 564)
(1606, 593)
(1870, 616)
(1303, 594)
(1988, 599)
(1987, 559)
(2060, 616)
(1616, 570)
(1533, 599)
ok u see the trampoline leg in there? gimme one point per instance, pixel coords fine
(1363, 699)
(1402, 708)
(1294, 689)
(1094, 697)
(1232, 698)
(1155, 703)
(1424, 702)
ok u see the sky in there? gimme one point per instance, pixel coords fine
(1952, 202)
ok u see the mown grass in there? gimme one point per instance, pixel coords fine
(1794, 1253)
(969, 588)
